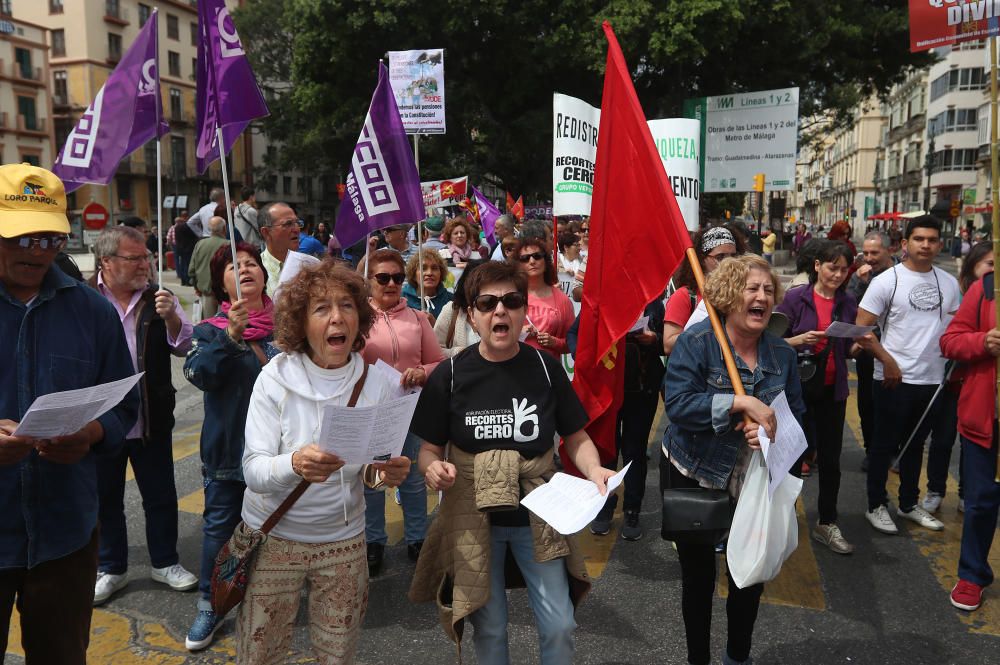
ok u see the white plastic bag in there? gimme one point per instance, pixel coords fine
(765, 532)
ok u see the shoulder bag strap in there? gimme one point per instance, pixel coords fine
(304, 485)
(450, 339)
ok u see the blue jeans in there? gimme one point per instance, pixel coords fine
(943, 432)
(548, 593)
(413, 496)
(982, 504)
(897, 411)
(153, 464)
(223, 504)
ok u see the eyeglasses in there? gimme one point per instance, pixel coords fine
(487, 303)
(384, 277)
(292, 222)
(41, 242)
(538, 256)
(134, 259)
(584, 229)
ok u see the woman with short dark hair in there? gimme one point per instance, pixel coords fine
(321, 321)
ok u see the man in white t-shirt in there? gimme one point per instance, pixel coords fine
(912, 302)
(199, 220)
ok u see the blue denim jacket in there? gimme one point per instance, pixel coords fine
(697, 397)
(68, 337)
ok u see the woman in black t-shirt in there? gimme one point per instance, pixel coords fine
(496, 408)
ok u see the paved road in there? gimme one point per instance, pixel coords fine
(885, 604)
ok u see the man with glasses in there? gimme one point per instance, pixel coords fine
(155, 328)
(280, 227)
(56, 334)
(397, 238)
(502, 229)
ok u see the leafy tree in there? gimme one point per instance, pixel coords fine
(505, 58)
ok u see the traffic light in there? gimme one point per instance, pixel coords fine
(758, 182)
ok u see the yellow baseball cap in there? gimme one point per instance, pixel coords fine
(32, 200)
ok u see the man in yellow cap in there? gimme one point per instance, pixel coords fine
(57, 334)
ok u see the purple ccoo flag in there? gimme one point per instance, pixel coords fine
(124, 115)
(488, 214)
(227, 92)
(383, 187)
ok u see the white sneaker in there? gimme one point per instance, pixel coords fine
(931, 502)
(106, 585)
(922, 517)
(176, 577)
(879, 518)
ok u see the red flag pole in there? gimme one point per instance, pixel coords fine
(720, 334)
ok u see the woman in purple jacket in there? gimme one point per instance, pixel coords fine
(810, 309)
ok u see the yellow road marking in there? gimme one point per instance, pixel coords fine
(193, 502)
(183, 446)
(394, 514)
(941, 548)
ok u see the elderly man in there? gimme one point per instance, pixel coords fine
(280, 227)
(504, 228)
(155, 328)
(201, 265)
(397, 238)
(57, 335)
(198, 222)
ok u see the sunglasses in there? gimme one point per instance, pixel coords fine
(384, 277)
(41, 242)
(538, 256)
(488, 303)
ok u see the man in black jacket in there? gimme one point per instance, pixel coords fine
(155, 328)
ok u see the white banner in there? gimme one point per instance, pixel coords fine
(574, 150)
(444, 192)
(746, 134)
(678, 142)
(417, 80)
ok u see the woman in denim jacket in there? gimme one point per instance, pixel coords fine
(707, 443)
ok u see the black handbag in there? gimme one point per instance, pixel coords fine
(695, 515)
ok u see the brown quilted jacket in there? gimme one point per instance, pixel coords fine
(454, 565)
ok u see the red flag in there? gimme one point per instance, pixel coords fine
(518, 209)
(637, 240)
(510, 201)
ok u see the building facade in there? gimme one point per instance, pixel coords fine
(848, 191)
(26, 127)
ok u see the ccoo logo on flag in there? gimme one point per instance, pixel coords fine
(229, 44)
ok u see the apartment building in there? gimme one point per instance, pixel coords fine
(848, 189)
(899, 181)
(26, 128)
(86, 40)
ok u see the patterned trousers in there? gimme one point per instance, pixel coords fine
(338, 597)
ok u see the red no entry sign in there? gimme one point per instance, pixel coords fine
(95, 216)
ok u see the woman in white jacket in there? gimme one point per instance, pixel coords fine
(453, 328)
(321, 322)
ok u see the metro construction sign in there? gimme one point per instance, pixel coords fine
(936, 23)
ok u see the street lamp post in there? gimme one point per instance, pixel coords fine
(929, 169)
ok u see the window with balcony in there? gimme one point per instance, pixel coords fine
(55, 6)
(5, 7)
(173, 28)
(194, 69)
(144, 12)
(955, 160)
(286, 184)
(22, 57)
(968, 78)
(194, 34)
(112, 8)
(953, 120)
(178, 156)
(176, 105)
(60, 89)
(150, 157)
(58, 43)
(114, 47)
(26, 109)
(174, 63)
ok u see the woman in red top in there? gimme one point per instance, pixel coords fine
(550, 312)
(972, 338)
(810, 309)
(712, 246)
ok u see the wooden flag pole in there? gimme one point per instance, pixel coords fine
(720, 334)
(995, 168)
(229, 209)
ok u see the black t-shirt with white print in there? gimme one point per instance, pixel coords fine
(517, 404)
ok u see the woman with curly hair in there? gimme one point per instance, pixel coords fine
(550, 312)
(457, 234)
(707, 443)
(321, 323)
(432, 274)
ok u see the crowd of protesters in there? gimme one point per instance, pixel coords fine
(269, 353)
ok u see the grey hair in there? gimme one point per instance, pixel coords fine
(110, 239)
(881, 236)
(264, 217)
(216, 194)
(217, 227)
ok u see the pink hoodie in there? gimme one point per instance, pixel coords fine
(402, 337)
